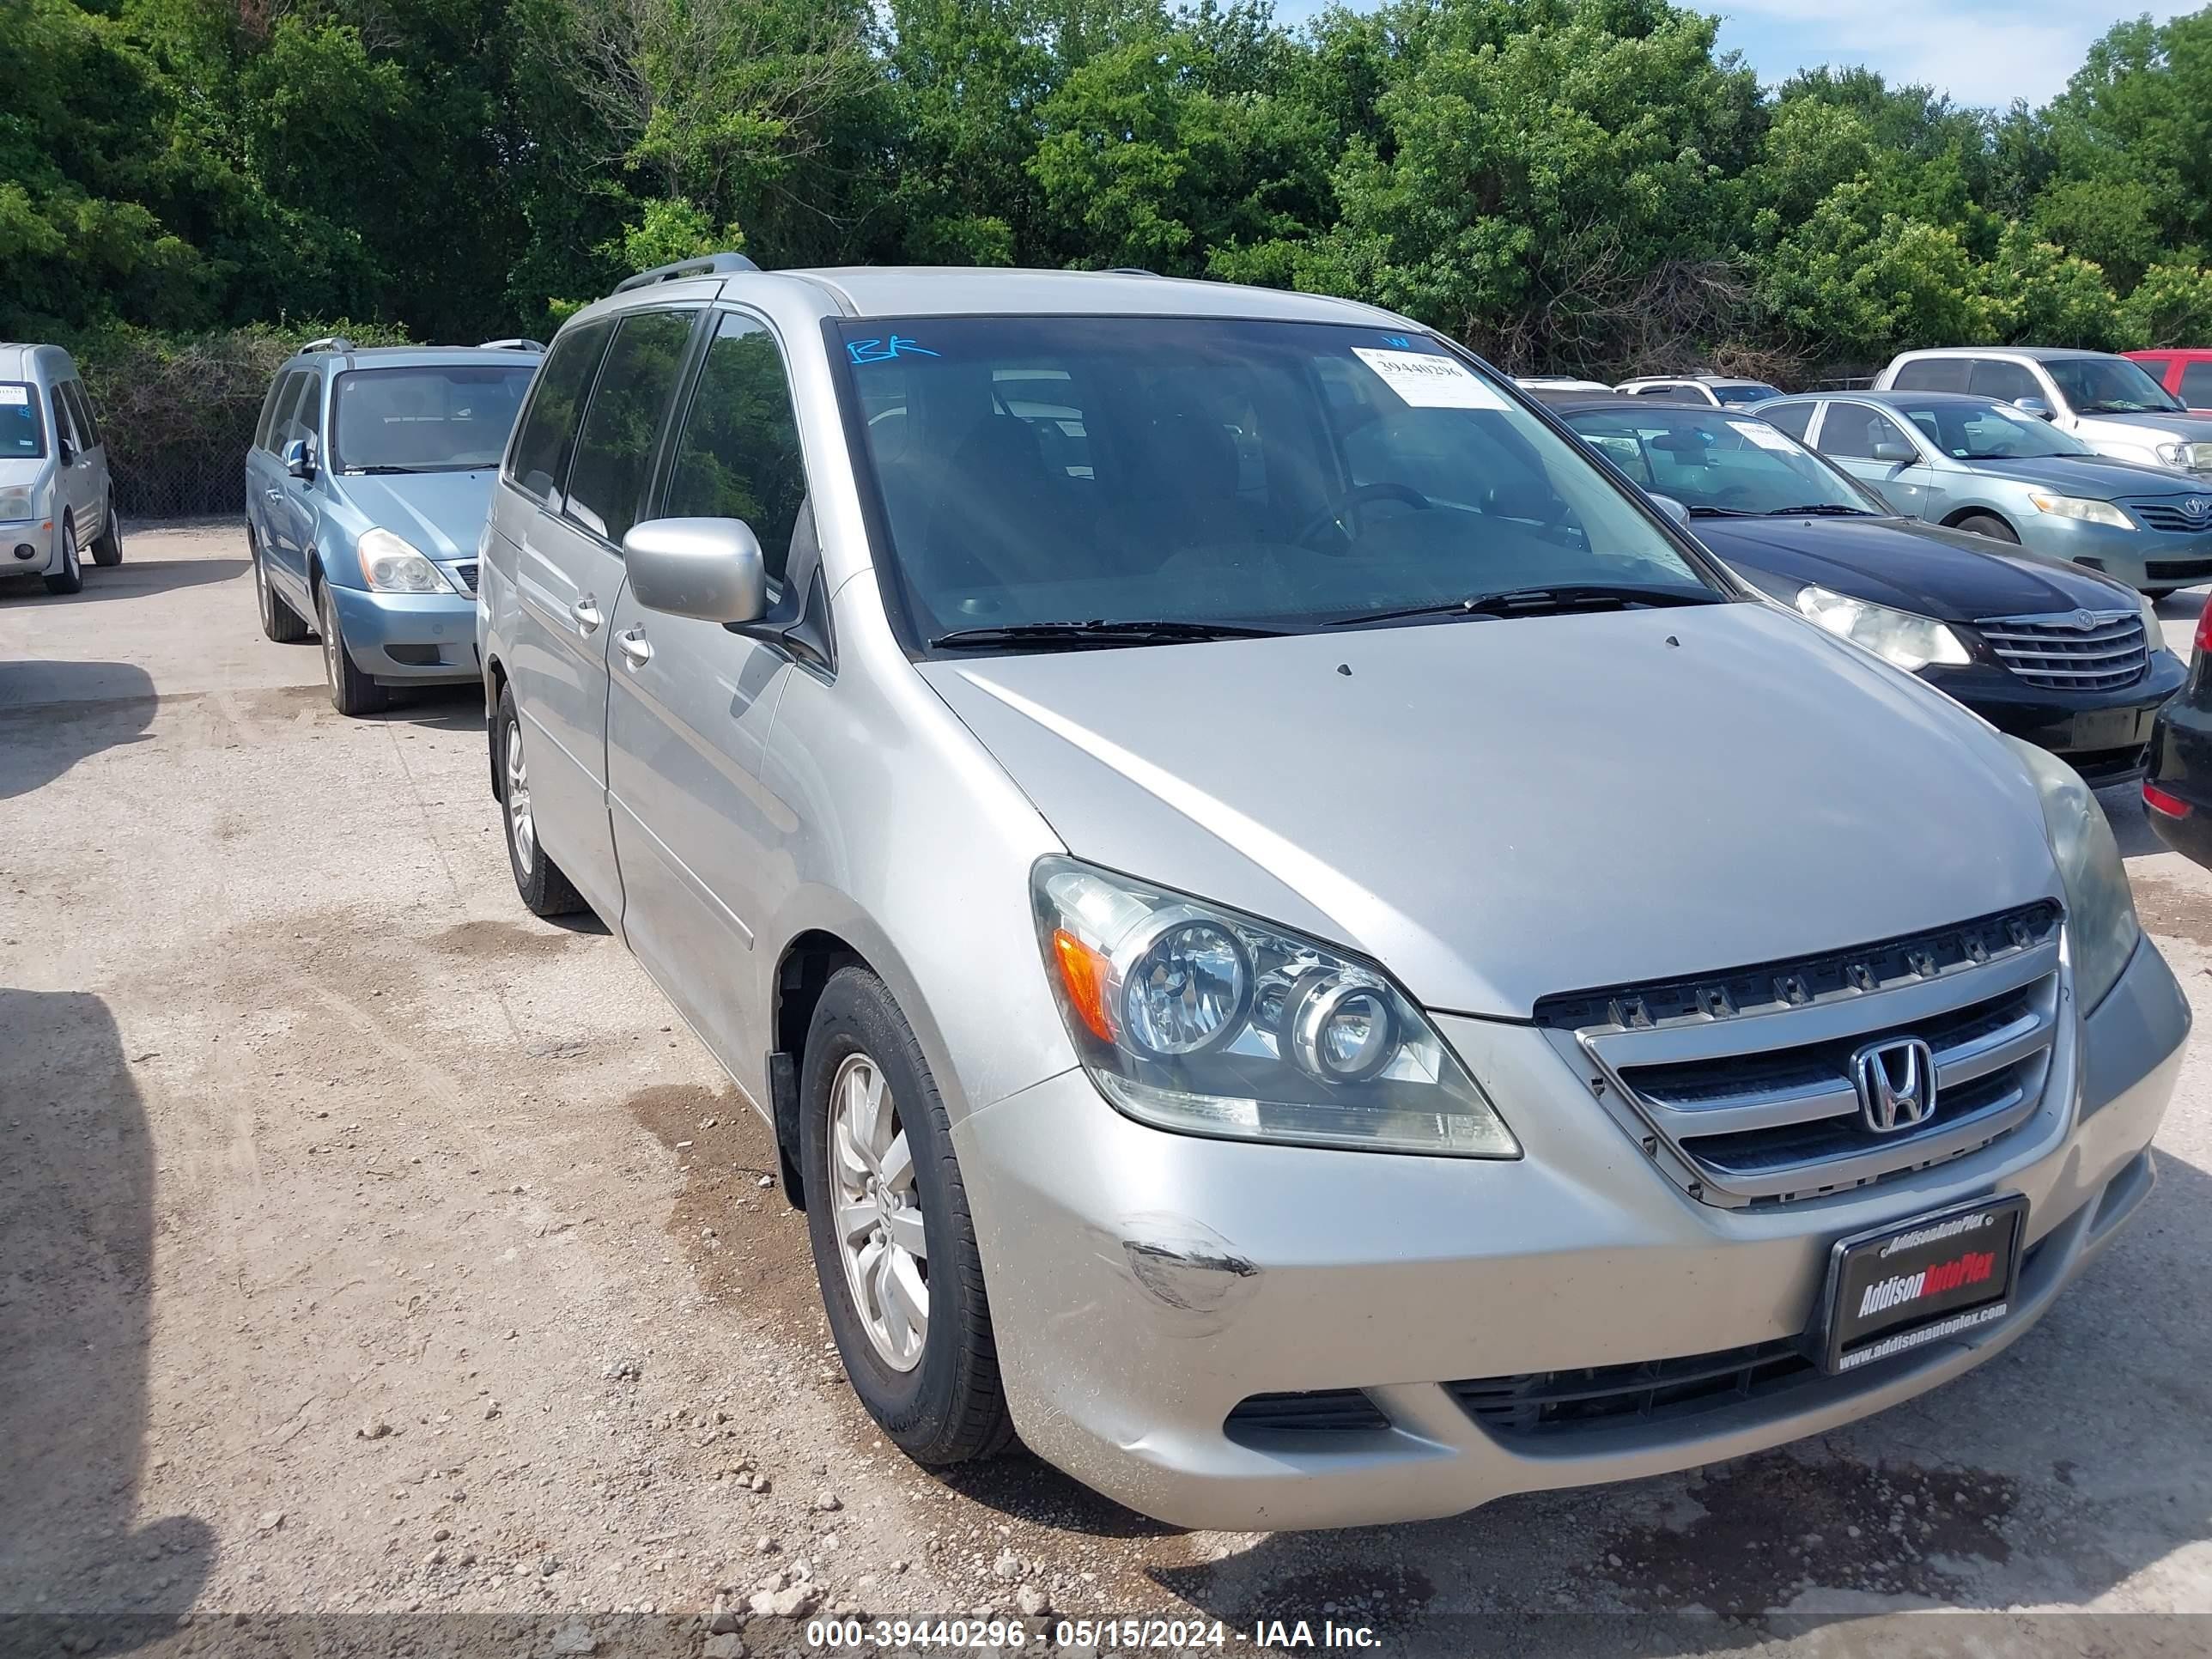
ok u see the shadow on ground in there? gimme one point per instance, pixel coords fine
(53, 714)
(77, 1240)
(122, 581)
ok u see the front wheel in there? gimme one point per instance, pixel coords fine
(69, 579)
(544, 886)
(107, 546)
(1986, 523)
(352, 692)
(894, 1246)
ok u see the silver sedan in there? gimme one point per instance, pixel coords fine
(1974, 464)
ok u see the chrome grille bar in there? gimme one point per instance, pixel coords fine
(2056, 652)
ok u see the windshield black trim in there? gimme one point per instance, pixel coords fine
(332, 453)
(890, 576)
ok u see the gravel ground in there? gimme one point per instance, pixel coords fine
(373, 1248)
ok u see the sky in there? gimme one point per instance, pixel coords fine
(1980, 51)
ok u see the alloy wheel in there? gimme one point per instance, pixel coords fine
(522, 829)
(878, 1224)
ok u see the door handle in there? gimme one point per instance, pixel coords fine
(273, 495)
(585, 611)
(634, 646)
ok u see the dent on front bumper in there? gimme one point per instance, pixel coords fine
(420, 637)
(1144, 1283)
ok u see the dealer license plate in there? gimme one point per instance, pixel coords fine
(1924, 1280)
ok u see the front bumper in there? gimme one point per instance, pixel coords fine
(2142, 558)
(415, 638)
(44, 546)
(2105, 735)
(1142, 1283)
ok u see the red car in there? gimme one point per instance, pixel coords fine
(2186, 371)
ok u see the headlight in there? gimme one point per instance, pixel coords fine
(1910, 641)
(16, 503)
(2153, 632)
(1191, 1017)
(2081, 507)
(2101, 927)
(2172, 454)
(389, 565)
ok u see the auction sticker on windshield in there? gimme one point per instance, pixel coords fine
(1428, 382)
(15, 394)
(1934, 1277)
(1765, 437)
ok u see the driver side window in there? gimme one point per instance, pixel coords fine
(1853, 430)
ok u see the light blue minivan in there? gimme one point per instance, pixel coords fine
(365, 490)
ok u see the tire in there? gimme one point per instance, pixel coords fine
(278, 620)
(943, 1403)
(1986, 523)
(544, 888)
(107, 546)
(352, 692)
(69, 579)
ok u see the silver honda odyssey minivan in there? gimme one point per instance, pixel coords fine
(1308, 953)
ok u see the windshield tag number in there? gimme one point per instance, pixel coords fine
(1426, 381)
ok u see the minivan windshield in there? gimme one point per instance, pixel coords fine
(443, 417)
(1972, 429)
(22, 435)
(1746, 391)
(1142, 479)
(1720, 464)
(2108, 386)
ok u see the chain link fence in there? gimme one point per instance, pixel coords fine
(177, 412)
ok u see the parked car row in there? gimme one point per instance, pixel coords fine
(1392, 898)
(1208, 808)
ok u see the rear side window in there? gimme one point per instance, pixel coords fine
(1792, 418)
(23, 435)
(2197, 384)
(81, 416)
(290, 424)
(1932, 375)
(2006, 382)
(614, 450)
(539, 461)
(1852, 430)
(739, 456)
(281, 387)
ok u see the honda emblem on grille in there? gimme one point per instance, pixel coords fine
(1896, 1084)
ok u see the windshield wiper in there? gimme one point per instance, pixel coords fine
(1097, 632)
(1537, 601)
(1721, 512)
(1815, 508)
(373, 472)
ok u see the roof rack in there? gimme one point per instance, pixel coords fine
(518, 344)
(1127, 271)
(708, 265)
(329, 343)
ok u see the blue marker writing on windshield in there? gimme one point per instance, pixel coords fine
(882, 351)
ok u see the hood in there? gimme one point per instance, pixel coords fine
(2147, 428)
(442, 513)
(1944, 573)
(2104, 477)
(19, 472)
(1501, 809)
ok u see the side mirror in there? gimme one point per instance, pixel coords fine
(2036, 407)
(1890, 449)
(709, 568)
(300, 458)
(1673, 508)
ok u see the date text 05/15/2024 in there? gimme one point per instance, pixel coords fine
(1094, 1635)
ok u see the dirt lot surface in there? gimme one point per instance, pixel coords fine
(368, 1246)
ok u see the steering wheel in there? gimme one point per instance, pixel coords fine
(1339, 511)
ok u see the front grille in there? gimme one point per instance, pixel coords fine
(2176, 571)
(2170, 515)
(1322, 1411)
(1740, 1085)
(2057, 653)
(467, 572)
(1548, 1402)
